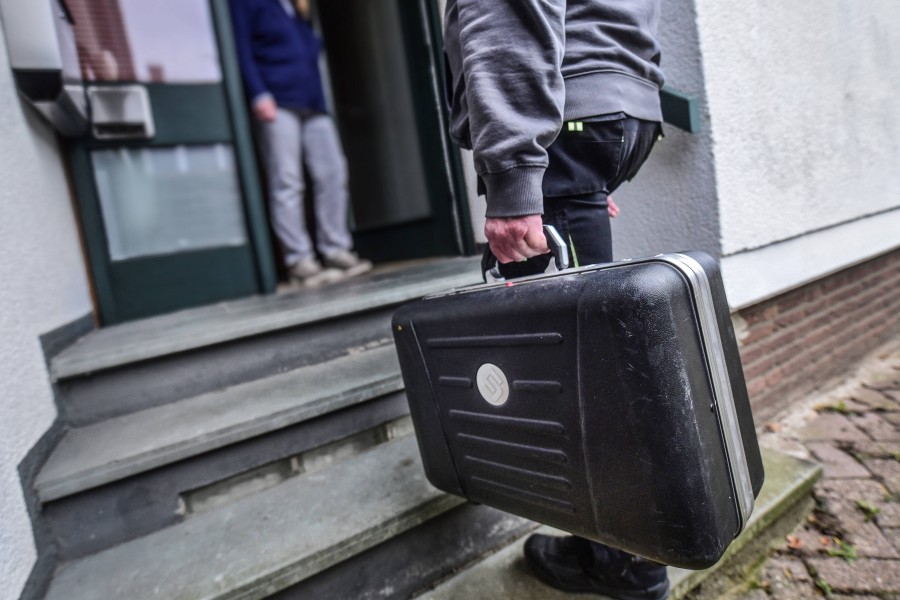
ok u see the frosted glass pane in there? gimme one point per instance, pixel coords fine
(166, 200)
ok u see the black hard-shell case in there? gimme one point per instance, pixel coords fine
(616, 422)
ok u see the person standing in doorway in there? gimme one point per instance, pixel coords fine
(559, 101)
(279, 59)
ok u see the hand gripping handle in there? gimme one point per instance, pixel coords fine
(555, 242)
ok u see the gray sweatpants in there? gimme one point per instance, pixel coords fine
(290, 141)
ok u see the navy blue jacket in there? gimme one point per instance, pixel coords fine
(278, 54)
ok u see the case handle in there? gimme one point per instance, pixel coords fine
(555, 242)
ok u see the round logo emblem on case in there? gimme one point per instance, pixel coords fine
(492, 384)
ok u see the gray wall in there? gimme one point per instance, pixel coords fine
(42, 286)
(672, 205)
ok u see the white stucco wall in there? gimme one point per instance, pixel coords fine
(804, 97)
(805, 105)
(42, 286)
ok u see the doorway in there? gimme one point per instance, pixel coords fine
(169, 196)
(405, 183)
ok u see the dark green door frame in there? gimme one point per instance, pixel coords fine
(254, 203)
(431, 17)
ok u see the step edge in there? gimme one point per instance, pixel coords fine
(67, 364)
(61, 368)
(292, 570)
(56, 488)
(382, 357)
(293, 573)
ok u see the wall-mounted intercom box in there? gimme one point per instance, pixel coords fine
(44, 59)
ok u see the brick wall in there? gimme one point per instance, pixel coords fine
(808, 338)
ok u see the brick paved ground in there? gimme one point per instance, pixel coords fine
(850, 547)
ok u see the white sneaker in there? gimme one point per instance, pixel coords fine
(349, 263)
(309, 273)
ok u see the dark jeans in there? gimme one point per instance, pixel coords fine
(587, 162)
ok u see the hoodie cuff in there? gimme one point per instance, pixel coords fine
(515, 192)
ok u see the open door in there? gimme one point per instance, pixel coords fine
(387, 98)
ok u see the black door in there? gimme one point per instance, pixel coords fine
(404, 179)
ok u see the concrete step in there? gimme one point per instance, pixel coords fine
(121, 447)
(209, 325)
(129, 508)
(783, 502)
(113, 393)
(404, 565)
(254, 547)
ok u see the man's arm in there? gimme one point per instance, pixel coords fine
(261, 100)
(512, 53)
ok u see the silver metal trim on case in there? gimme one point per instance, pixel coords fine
(479, 287)
(724, 399)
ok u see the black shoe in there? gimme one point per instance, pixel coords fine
(577, 565)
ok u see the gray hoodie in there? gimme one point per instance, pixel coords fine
(518, 68)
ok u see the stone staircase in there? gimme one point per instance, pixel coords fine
(262, 449)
